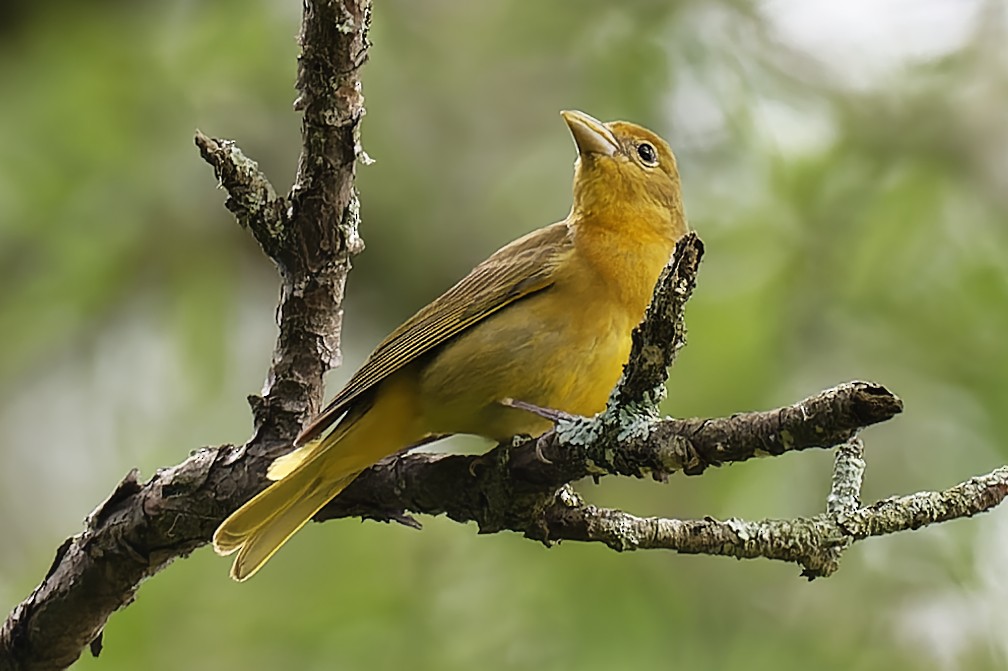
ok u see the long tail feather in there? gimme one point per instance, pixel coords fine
(258, 511)
(284, 465)
(312, 475)
(260, 527)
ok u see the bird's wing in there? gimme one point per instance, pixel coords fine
(519, 269)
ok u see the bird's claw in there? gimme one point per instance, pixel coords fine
(538, 451)
(477, 462)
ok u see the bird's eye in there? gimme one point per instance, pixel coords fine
(647, 153)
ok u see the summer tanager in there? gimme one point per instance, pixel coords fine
(546, 320)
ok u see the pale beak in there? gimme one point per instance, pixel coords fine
(590, 135)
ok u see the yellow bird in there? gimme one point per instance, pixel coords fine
(545, 320)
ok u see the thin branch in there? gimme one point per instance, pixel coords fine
(808, 542)
(844, 497)
(662, 334)
(251, 197)
(848, 473)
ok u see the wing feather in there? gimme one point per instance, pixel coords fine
(519, 269)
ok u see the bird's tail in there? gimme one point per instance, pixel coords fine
(310, 476)
(260, 527)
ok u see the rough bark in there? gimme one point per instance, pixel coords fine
(310, 235)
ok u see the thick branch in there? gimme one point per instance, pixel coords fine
(639, 445)
(495, 489)
(310, 235)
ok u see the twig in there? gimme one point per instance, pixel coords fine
(662, 333)
(803, 541)
(844, 498)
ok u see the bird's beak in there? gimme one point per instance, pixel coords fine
(590, 135)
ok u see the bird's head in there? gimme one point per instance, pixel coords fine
(624, 174)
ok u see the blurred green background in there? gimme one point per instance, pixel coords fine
(844, 162)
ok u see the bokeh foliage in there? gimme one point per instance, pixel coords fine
(854, 211)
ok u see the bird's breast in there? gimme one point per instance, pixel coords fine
(558, 349)
(562, 348)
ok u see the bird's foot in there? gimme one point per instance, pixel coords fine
(539, 450)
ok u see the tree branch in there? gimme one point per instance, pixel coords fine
(499, 484)
(809, 542)
(310, 235)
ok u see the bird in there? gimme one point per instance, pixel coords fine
(545, 321)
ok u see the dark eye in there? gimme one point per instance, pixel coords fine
(647, 153)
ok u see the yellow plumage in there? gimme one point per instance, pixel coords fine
(545, 320)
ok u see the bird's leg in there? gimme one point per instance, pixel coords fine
(551, 414)
(546, 413)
